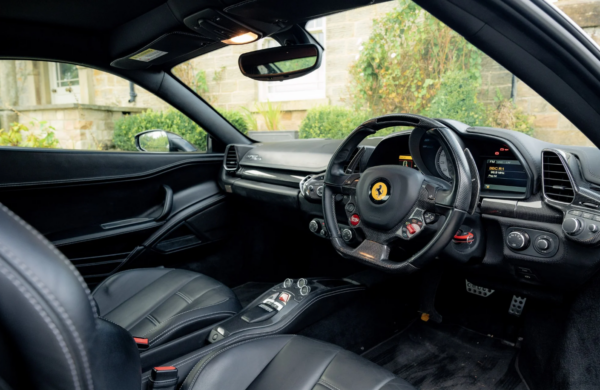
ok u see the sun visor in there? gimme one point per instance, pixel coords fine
(162, 50)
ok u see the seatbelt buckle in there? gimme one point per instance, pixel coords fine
(141, 342)
(163, 378)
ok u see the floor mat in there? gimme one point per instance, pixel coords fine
(248, 292)
(445, 356)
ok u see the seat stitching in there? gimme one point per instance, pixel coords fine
(68, 262)
(263, 335)
(214, 356)
(207, 291)
(209, 315)
(53, 328)
(151, 318)
(63, 313)
(189, 311)
(184, 297)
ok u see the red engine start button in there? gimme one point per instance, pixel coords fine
(355, 219)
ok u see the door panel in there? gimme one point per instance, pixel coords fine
(70, 197)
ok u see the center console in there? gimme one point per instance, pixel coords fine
(288, 307)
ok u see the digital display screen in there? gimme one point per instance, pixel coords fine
(407, 161)
(505, 175)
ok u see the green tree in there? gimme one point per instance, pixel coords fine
(413, 63)
(402, 65)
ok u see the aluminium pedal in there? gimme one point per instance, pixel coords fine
(478, 290)
(516, 306)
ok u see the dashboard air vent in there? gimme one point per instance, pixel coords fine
(231, 158)
(557, 184)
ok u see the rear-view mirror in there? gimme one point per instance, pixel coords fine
(281, 63)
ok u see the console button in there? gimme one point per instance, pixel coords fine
(597, 218)
(587, 215)
(305, 290)
(347, 235)
(542, 244)
(301, 283)
(517, 240)
(284, 297)
(572, 226)
(593, 228)
(354, 219)
(576, 213)
(313, 226)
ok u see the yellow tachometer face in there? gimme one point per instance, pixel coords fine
(379, 191)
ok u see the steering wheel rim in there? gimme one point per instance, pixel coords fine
(454, 203)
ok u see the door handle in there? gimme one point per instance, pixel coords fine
(166, 211)
(168, 204)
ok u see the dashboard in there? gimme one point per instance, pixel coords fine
(537, 219)
(503, 173)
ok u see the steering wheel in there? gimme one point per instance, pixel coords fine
(393, 204)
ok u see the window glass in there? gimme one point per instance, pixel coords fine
(58, 105)
(380, 59)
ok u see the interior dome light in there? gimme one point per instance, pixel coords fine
(241, 39)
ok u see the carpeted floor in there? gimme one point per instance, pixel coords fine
(445, 356)
(248, 292)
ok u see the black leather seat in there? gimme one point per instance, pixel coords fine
(290, 363)
(162, 304)
(51, 336)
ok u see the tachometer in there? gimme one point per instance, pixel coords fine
(444, 165)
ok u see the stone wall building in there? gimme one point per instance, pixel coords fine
(82, 104)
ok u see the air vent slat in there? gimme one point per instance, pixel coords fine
(231, 159)
(557, 183)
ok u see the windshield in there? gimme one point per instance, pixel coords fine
(385, 58)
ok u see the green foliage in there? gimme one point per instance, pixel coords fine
(331, 122)
(237, 119)
(170, 120)
(15, 136)
(415, 64)
(402, 65)
(457, 99)
(271, 113)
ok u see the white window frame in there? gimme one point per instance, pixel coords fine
(62, 95)
(318, 93)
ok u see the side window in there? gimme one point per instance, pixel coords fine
(66, 106)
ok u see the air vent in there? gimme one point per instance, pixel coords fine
(557, 184)
(231, 158)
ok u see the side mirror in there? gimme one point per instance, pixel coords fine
(281, 63)
(162, 141)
